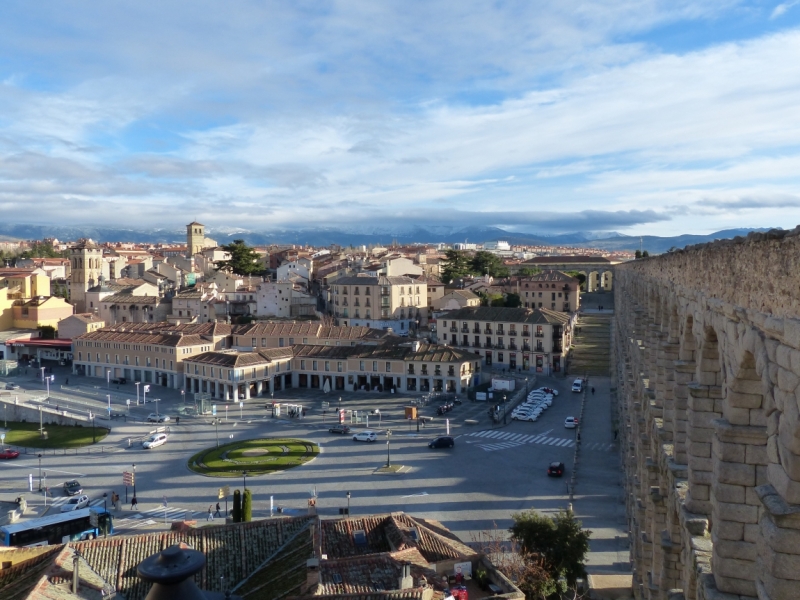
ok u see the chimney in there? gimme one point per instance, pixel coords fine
(406, 581)
(171, 573)
(75, 572)
(312, 577)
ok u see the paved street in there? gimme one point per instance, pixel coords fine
(492, 472)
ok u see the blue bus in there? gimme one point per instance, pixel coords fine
(60, 528)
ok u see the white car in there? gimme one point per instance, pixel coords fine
(522, 413)
(154, 418)
(570, 422)
(75, 503)
(154, 441)
(527, 417)
(577, 385)
(548, 390)
(365, 436)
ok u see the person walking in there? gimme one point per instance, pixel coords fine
(134, 503)
(615, 434)
(218, 513)
(592, 391)
(210, 513)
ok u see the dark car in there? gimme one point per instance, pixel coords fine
(444, 441)
(72, 487)
(8, 454)
(342, 429)
(555, 469)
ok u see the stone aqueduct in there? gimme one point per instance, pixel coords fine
(707, 360)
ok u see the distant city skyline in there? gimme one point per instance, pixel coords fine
(646, 118)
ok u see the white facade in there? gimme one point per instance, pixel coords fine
(293, 268)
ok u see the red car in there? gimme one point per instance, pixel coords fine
(8, 453)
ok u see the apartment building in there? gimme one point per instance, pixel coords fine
(399, 303)
(128, 308)
(282, 334)
(550, 289)
(512, 338)
(146, 352)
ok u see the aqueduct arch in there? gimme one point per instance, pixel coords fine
(708, 392)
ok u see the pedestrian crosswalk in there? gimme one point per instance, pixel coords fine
(495, 439)
(151, 517)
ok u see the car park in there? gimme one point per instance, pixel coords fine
(341, 429)
(75, 503)
(8, 454)
(154, 418)
(443, 441)
(570, 422)
(365, 436)
(556, 469)
(72, 487)
(548, 390)
(154, 441)
(577, 385)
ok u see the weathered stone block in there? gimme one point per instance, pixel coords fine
(791, 335)
(758, 418)
(730, 588)
(787, 381)
(701, 492)
(751, 497)
(702, 419)
(741, 513)
(756, 455)
(700, 449)
(729, 530)
(752, 533)
(742, 400)
(724, 492)
(699, 434)
(701, 404)
(697, 463)
(736, 473)
(738, 416)
(772, 449)
(784, 485)
(739, 550)
(749, 386)
(740, 569)
(779, 539)
(778, 564)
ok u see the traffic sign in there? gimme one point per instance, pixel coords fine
(127, 478)
(224, 492)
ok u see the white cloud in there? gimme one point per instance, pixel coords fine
(782, 8)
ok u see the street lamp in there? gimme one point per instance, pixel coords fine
(94, 435)
(105, 504)
(134, 479)
(47, 380)
(40, 472)
(108, 379)
(216, 426)
(244, 479)
(109, 405)
(388, 454)
(348, 504)
(504, 409)
(137, 392)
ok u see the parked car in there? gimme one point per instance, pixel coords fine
(8, 454)
(154, 418)
(75, 503)
(570, 422)
(533, 416)
(556, 469)
(577, 385)
(72, 487)
(365, 436)
(12, 386)
(342, 429)
(443, 441)
(154, 441)
(548, 390)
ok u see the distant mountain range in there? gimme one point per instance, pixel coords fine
(610, 241)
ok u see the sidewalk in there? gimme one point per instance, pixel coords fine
(599, 493)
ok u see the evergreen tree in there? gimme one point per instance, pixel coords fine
(237, 506)
(529, 271)
(247, 506)
(486, 263)
(456, 265)
(244, 259)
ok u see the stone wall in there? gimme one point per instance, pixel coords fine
(707, 350)
(15, 411)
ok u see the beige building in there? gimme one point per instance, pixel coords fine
(40, 312)
(76, 325)
(554, 290)
(281, 334)
(514, 338)
(456, 299)
(128, 308)
(86, 262)
(399, 303)
(238, 376)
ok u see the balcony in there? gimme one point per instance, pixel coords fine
(500, 332)
(488, 345)
(487, 331)
(465, 330)
(526, 348)
(526, 334)
(539, 348)
(500, 346)
(454, 329)
(539, 334)
(512, 332)
(512, 346)
(476, 330)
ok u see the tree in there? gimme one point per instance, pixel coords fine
(529, 271)
(237, 506)
(244, 259)
(637, 254)
(513, 301)
(486, 263)
(579, 276)
(47, 332)
(645, 254)
(42, 250)
(455, 266)
(560, 542)
(247, 506)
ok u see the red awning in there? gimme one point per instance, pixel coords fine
(40, 343)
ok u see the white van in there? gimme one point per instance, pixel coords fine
(577, 385)
(155, 440)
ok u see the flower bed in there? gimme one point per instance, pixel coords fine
(257, 457)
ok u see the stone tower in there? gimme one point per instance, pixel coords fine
(195, 238)
(87, 265)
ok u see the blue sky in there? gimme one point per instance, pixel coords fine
(643, 117)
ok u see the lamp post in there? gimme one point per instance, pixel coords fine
(348, 504)
(108, 379)
(47, 380)
(244, 479)
(42, 370)
(183, 397)
(108, 396)
(40, 472)
(105, 517)
(94, 435)
(105, 504)
(137, 392)
(134, 479)
(216, 426)
(388, 452)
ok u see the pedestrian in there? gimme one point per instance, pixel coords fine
(66, 381)
(134, 503)
(177, 420)
(615, 434)
(304, 413)
(219, 514)
(210, 513)
(592, 391)
(579, 437)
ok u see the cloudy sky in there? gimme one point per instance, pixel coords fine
(637, 116)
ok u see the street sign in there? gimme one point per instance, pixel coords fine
(128, 401)
(127, 478)
(224, 492)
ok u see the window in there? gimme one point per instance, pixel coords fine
(254, 342)
(280, 342)
(361, 362)
(375, 366)
(263, 341)
(313, 365)
(499, 357)
(388, 367)
(339, 366)
(302, 365)
(327, 365)
(305, 340)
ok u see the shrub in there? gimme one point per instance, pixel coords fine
(247, 506)
(237, 506)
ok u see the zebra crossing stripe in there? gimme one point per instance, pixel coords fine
(553, 441)
(565, 442)
(482, 433)
(516, 436)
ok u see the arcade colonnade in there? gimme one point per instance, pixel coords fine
(707, 359)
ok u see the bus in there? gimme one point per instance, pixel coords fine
(60, 528)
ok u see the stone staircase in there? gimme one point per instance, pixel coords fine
(591, 345)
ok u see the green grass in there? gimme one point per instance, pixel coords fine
(58, 436)
(257, 457)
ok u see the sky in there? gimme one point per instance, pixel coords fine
(644, 117)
